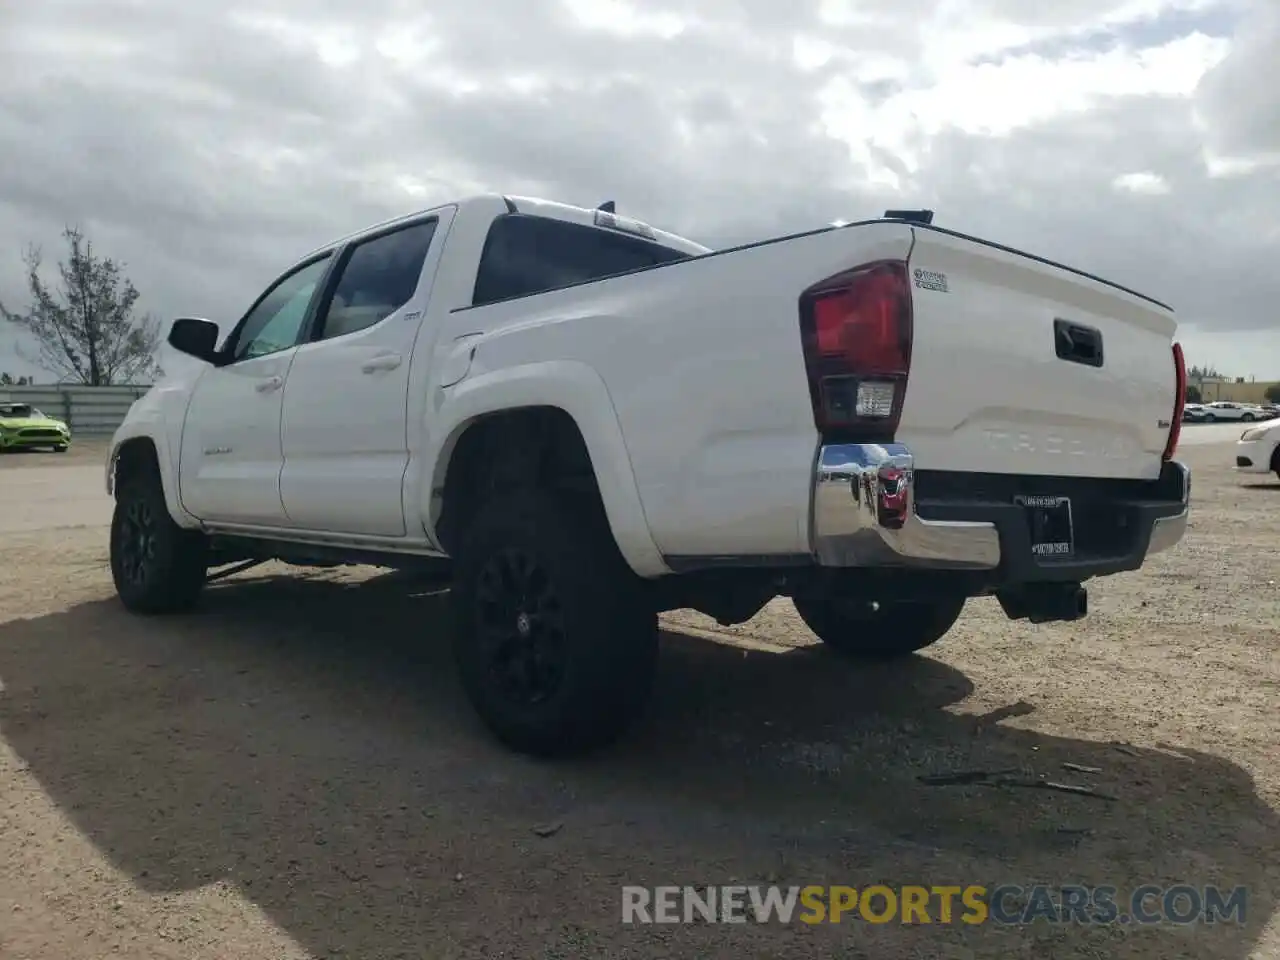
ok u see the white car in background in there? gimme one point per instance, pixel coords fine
(1258, 449)
(1226, 410)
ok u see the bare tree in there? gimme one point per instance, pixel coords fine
(85, 325)
(1203, 373)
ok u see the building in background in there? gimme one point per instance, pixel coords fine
(1235, 389)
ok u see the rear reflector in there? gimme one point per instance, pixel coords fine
(855, 331)
(1179, 400)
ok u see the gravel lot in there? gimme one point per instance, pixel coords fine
(292, 772)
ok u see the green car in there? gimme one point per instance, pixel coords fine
(23, 427)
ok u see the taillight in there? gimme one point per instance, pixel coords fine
(1180, 398)
(855, 330)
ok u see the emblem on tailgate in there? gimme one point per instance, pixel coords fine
(1018, 442)
(929, 280)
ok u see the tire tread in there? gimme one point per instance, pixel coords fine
(611, 629)
(182, 555)
(905, 628)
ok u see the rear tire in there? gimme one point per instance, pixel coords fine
(555, 643)
(882, 632)
(157, 566)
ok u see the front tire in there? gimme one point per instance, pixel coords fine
(157, 566)
(555, 643)
(883, 631)
(60, 448)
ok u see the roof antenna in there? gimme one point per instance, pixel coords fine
(608, 207)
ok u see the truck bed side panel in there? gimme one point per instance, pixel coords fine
(703, 364)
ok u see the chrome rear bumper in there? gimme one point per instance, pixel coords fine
(864, 515)
(1167, 531)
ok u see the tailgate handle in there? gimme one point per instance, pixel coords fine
(1077, 343)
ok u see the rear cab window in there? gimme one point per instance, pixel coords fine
(524, 255)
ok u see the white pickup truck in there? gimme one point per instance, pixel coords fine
(581, 421)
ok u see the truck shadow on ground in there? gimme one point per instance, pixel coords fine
(304, 741)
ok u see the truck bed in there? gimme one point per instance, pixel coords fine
(710, 378)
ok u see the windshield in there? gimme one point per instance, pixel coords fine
(18, 410)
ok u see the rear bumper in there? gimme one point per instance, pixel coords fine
(872, 508)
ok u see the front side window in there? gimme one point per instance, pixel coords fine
(276, 322)
(524, 255)
(379, 277)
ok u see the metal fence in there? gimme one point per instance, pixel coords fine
(88, 411)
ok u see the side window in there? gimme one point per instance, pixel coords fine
(378, 278)
(524, 255)
(275, 323)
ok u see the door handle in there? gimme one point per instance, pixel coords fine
(269, 384)
(1077, 343)
(387, 361)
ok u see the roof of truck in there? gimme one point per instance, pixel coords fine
(533, 206)
(564, 211)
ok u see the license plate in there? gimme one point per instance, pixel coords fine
(1050, 526)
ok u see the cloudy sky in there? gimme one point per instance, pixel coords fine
(207, 144)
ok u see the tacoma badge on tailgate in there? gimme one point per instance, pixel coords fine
(930, 280)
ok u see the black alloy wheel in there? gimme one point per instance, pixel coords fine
(521, 626)
(157, 566)
(555, 640)
(135, 543)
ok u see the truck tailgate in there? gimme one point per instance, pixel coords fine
(1021, 366)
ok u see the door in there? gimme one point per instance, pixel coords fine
(344, 423)
(231, 452)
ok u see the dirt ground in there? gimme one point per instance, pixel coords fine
(292, 771)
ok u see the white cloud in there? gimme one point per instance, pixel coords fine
(208, 144)
(1239, 101)
(624, 19)
(993, 99)
(1142, 182)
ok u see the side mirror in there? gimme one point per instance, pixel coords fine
(195, 337)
